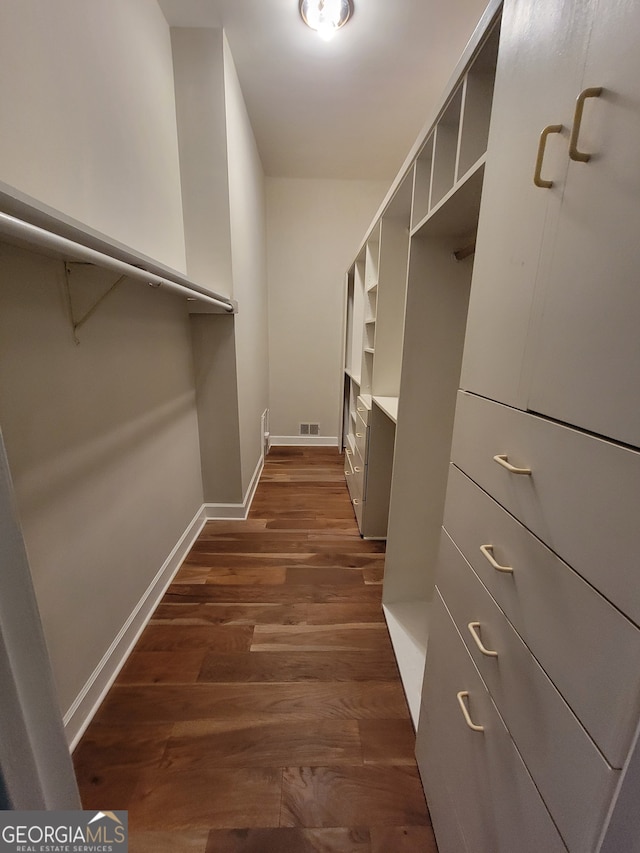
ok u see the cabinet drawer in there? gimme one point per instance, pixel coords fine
(581, 488)
(358, 506)
(354, 488)
(587, 647)
(361, 440)
(348, 462)
(442, 809)
(497, 806)
(574, 780)
(358, 472)
(363, 410)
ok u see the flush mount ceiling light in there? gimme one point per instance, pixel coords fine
(326, 16)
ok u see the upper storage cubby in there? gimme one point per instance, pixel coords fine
(445, 149)
(422, 182)
(455, 147)
(477, 100)
(372, 259)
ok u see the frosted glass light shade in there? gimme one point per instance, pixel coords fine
(326, 16)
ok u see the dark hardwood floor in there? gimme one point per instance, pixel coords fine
(261, 711)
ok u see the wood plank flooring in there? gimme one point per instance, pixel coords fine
(261, 711)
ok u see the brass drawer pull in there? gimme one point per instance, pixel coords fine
(503, 460)
(581, 156)
(473, 630)
(464, 694)
(487, 553)
(538, 180)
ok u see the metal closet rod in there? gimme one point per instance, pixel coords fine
(38, 237)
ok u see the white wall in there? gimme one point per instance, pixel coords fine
(102, 438)
(247, 205)
(314, 229)
(87, 113)
(198, 64)
(225, 232)
(102, 441)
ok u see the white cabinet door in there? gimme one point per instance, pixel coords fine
(587, 346)
(540, 65)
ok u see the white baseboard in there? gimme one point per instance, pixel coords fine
(220, 512)
(303, 440)
(92, 694)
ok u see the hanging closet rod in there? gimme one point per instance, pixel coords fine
(38, 238)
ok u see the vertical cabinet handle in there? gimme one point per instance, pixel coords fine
(538, 180)
(503, 459)
(487, 553)
(464, 694)
(580, 156)
(473, 630)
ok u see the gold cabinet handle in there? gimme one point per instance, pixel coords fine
(464, 694)
(359, 434)
(356, 469)
(538, 180)
(503, 460)
(487, 553)
(580, 156)
(473, 630)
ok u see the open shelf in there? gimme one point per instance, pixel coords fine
(446, 149)
(478, 98)
(389, 405)
(408, 624)
(457, 212)
(372, 259)
(422, 182)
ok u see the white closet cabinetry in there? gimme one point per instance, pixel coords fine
(587, 343)
(538, 561)
(540, 65)
(554, 278)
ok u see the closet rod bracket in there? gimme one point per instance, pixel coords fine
(77, 322)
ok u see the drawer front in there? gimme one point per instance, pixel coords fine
(574, 780)
(497, 806)
(588, 648)
(358, 507)
(581, 498)
(354, 494)
(362, 410)
(442, 809)
(348, 462)
(354, 484)
(361, 440)
(358, 472)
